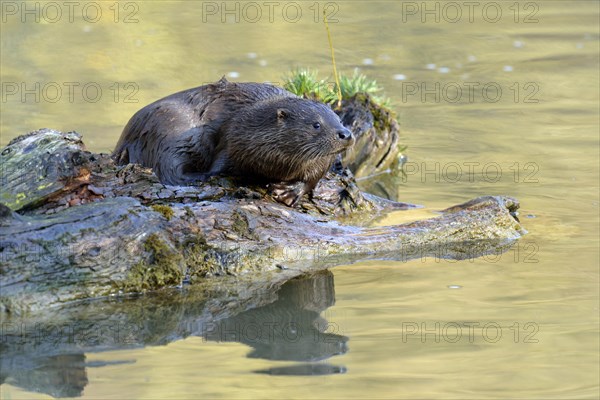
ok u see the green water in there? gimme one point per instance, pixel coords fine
(516, 112)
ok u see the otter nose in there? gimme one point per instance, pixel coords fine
(344, 134)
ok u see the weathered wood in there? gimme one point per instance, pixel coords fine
(92, 229)
(377, 136)
(41, 164)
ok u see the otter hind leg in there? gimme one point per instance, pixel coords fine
(121, 156)
(288, 193)
(189, 178)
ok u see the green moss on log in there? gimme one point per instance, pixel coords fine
(163, 268)
(305, 82)
(165, 210)
(241, 226)
(201, 261)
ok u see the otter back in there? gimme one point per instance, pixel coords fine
(245, 129)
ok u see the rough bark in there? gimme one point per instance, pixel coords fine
(74, 226)
(377, 137)
(229, 260)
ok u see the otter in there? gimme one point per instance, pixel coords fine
(249, 130)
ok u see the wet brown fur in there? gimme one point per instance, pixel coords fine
(251, 130)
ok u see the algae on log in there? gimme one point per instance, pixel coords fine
(40, 167)
(86, 228)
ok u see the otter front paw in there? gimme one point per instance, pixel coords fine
(287, 193)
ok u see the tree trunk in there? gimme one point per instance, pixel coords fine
(75, 226)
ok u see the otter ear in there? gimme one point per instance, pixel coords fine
(282, 113)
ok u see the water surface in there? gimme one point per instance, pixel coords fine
(516, 113)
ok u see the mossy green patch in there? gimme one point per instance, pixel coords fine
(188, 212)
(203, 260)
(241, 226)
(305, 82)
(162, 269)
(165, 210)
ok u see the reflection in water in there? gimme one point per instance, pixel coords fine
(171, 50)
(290, 328)
(280, 320)
(49, 357)
(59, 376)
(305, 369)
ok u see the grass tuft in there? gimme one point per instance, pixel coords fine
(305, 82)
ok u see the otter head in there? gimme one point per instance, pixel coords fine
(312, 128)
(286, 139)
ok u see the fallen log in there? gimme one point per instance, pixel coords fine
(87, 229)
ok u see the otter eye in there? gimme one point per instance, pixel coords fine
(317, 125)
